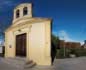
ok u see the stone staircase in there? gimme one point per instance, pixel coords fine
(19, 62)
(29, 64)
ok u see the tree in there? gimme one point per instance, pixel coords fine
(55, 40)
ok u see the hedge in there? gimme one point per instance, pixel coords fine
(76, 51)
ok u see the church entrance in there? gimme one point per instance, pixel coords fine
(21, 45)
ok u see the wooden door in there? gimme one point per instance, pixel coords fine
(21, 45)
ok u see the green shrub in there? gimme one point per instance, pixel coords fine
(60, 53)
(80, 52)
(77, 51)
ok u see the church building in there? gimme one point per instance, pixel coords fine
(28, 36)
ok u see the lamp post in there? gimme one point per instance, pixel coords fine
(64, 46)
(64, 49)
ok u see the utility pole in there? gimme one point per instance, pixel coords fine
(64, 49)
(64, 46)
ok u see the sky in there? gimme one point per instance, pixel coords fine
(69, 16)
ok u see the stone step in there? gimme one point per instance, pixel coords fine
(20, 58)
(30, 64)
(15, 62)
(19, 62)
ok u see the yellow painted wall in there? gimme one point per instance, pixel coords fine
(38, 42)
(9, 44)
(40, 45)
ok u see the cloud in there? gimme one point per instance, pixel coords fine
(63, 35)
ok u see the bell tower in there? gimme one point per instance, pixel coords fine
(22, 11)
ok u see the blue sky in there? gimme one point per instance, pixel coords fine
(69, 16)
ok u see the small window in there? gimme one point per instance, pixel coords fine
(17, 14)
(25, 11)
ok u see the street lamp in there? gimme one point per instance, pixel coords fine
(64, 48)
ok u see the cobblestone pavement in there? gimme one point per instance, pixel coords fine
(59, 64)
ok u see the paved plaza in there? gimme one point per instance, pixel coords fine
(59, 64)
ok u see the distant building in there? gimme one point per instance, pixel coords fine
(75, 45)
(68, 44)
(84, 45)
(62, 43)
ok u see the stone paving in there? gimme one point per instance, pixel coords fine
(59, 64)
(4, 66)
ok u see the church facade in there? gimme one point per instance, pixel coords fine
(28, 36)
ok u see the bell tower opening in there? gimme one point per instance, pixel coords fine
(17, 14)
(25, 11)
